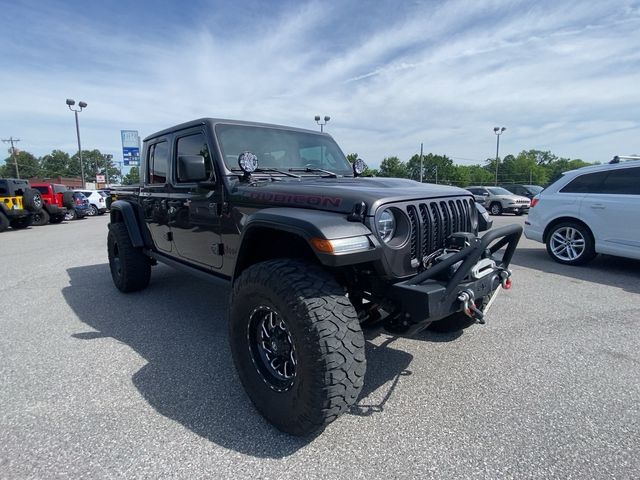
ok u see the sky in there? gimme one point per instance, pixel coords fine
(560, 76)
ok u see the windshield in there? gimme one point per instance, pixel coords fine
(499, 191)
(281, 149)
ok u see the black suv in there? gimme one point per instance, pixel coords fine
(528, 191)
(19, 203)
(313, 251)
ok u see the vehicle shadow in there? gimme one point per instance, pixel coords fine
(178, 326)
(604, 269)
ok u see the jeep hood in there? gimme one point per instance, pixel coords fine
(338, 194)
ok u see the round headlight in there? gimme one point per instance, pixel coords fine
(386, 225)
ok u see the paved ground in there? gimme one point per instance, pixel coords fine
(97, 384)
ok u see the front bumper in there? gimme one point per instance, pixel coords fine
(516, 209)
(434, 294)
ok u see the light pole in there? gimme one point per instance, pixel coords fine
(81, 105)
(498, 131)
(326, 119)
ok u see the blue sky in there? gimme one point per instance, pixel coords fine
(561, 76)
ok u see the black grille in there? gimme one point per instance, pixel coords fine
(432, 222)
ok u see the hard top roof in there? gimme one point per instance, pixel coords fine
(214, 121)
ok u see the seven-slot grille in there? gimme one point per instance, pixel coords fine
(433, 221)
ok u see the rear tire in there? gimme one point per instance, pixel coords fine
(4, 222)
(322, 339)
(570, 243)
(32, 200)
(495, 208)
(67, 199)
(130, 267)
(41, 218)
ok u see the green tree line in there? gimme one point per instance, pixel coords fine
(59, 163)
(528, 167)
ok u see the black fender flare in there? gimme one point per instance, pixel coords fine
(123, 211)
(308, 224)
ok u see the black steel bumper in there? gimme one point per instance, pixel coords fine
(55, 209)
(433, 294)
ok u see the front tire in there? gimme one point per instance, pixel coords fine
(130, 267)
(93, 211)
(308, 316)
(496, 208)
(570, 243)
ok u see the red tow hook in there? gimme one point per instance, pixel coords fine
(507, 284)
(505, 277)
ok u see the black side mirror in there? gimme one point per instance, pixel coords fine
(484, 221)
(191, 168)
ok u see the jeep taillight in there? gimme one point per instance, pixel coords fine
(78, 201)
(534, 202)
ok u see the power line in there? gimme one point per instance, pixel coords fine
(13, 152)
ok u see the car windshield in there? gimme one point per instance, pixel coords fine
(499, 191)
(281, 149)
(535, 189)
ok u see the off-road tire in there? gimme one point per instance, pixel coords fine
(40, 218)
(495, 208)
(67, 199)
(71, 215)
(32, 200)
(21, 223)
(326, 336)
(130, 267)
(589, 251)
(4, 222)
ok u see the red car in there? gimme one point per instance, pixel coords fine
(57, 199)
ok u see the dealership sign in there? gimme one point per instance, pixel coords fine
(130, 147)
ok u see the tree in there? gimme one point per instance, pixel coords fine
(28, 166)
(393, 167)
(352, 157)
(132, 177)
(55, 164)
(94, 163)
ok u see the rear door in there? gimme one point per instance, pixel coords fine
(195, 212)
(612, 210)
(154, 194)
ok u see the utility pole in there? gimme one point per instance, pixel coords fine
(11, 140)
(421, 163)
(436, 174)
(107, 158)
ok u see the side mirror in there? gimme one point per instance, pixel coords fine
(191, 168)
(484, 221)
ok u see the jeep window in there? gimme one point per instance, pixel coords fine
(195, 145)
(281, 149)
(158, 161)
(44, 190)
(624, 181)
(587, 183)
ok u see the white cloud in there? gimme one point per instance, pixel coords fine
(562, 77)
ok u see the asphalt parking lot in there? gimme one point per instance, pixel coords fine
(98, 384)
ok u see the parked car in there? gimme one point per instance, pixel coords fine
(528, 191)
(57, 198)
(499, 200)
(18, 203)
(588, 211)
(80, 207)
(97, 205)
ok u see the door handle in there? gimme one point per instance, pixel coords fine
(597, 206)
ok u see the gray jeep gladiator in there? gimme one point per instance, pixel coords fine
(313, 251)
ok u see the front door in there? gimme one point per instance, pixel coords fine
(194, 212)
(154, 194)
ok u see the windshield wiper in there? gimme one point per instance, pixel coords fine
(312, 170)
(269, 170)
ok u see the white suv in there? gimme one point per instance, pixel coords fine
(589, 211)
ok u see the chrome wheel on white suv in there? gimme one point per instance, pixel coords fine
(570, 243)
